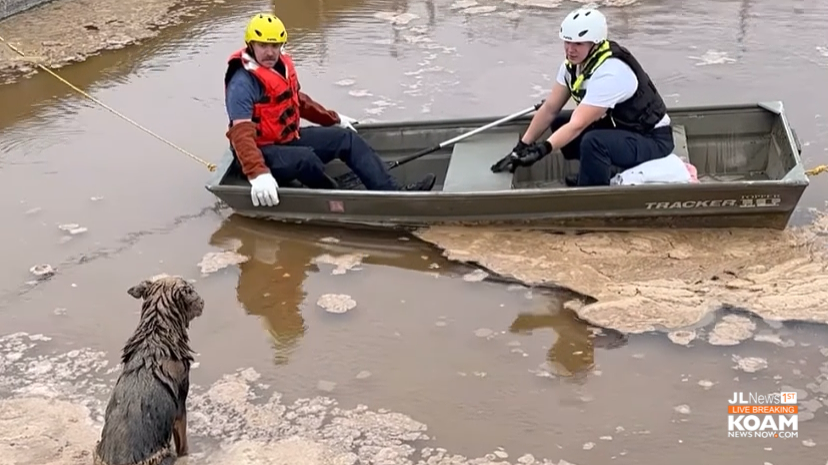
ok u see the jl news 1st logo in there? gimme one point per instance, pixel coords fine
(754, 415)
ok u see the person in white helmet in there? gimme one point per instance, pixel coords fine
(620, 120)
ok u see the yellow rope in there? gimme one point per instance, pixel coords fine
(210, 166)
(818, 170)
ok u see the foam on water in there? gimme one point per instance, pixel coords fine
(713, 57)
(397, 19)
(555, 4)
(461, 4)
(431, 77)
(661, 280)
(53, 407)
(479, 10)
(535, 3)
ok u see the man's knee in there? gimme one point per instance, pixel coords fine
(302, 164)
(352, 147)
(307, 161)
(329, 136)
(594, 146)
(666, 147)
(614, 147)
(290, 162)
(591, 140)
(342, 132)
(331, 142)
(347, 139)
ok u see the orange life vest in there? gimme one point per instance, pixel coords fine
(276, 115)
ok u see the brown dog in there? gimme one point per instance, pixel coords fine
(148, 403)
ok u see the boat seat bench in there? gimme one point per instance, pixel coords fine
(471, 160)
(469, 169)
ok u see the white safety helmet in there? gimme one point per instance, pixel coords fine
(584, 25)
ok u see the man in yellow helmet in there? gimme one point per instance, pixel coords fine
(264, 106)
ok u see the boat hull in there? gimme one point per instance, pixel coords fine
(750, 200)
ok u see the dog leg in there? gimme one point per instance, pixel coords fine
(174, 373)
(180, 434)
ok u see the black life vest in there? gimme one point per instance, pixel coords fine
(641, 112)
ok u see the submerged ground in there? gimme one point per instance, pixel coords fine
(470, 370)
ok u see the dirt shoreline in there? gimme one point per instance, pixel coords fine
(65, 32)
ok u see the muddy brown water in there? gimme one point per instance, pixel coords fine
(484, 364)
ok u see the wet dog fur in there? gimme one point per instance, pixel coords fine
(148, 403)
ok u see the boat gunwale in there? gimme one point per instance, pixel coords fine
(796, 176)
(561, 192)
(573, 222)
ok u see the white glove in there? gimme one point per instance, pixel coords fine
(347, 122)
(263, 190)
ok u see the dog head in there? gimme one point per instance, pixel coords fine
(172, 292)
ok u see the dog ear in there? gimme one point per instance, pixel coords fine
(139, 291)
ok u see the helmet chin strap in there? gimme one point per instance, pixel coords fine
(593, 49)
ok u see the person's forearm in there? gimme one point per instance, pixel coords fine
(564, 135)
(314, 112)
(540, 122)
(553, 104)
(242, 136)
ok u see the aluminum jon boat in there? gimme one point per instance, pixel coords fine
(747, 156)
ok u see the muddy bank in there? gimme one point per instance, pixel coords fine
(78, 29)
(660, 280)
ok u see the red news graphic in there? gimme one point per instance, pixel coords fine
(762, 409)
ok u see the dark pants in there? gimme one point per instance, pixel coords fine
(305, 158)
(600, 148)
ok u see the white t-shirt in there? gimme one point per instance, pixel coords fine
(612, 83)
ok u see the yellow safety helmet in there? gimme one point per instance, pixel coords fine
(265, 27)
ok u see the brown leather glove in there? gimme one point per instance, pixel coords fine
(315, 112)
(243, 138)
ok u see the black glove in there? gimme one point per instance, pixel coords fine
(507, 162)
(535, 152)
(520, 147)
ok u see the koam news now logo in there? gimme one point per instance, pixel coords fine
(773, 415)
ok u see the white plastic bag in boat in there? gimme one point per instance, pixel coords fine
(668, 170)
